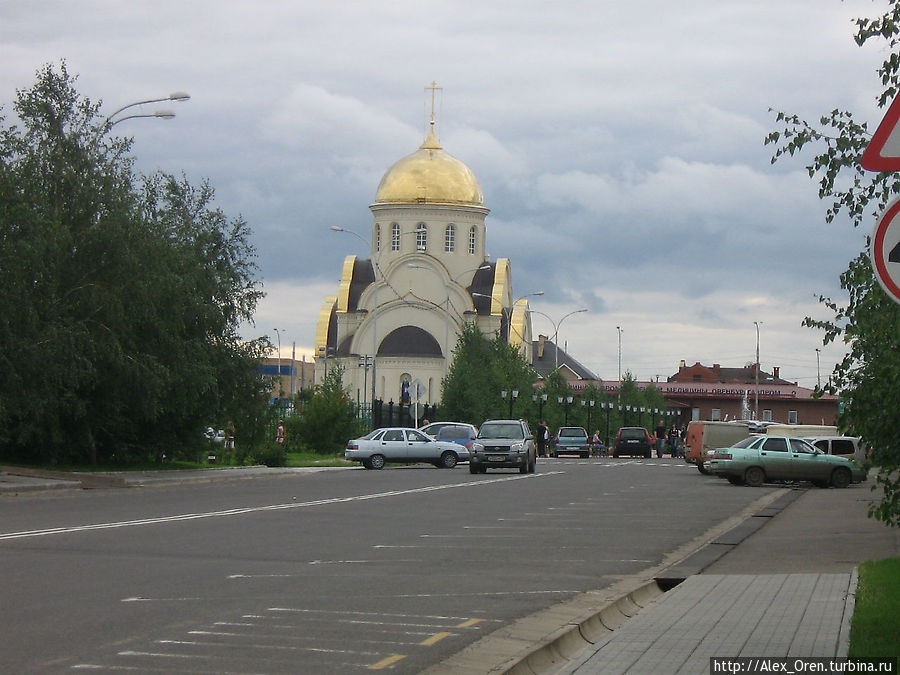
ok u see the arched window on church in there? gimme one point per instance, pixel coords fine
(377, 237)
(472, 237)
(421, 237)
(450, 238)
(395, 237)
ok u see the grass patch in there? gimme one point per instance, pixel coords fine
(875, 627)
(316, 459)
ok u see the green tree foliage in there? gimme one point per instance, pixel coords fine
(481, 369)
(328, 418)
(868, 321)
(122, 294)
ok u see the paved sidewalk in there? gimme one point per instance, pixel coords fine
(785, 589)
(14, 480)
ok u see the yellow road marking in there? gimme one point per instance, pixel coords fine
(389, 661)
(469, 623)
(437, 637)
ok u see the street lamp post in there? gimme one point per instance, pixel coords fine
(513, 395)
(609, 407)
(756, 393)
(619, 331)
(540, 400)
(280, 387)
(365, 361)
(590, 407)
(568, 401)
(818, 372)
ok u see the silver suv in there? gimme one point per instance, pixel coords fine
(503, 444)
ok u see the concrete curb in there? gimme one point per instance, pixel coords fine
(570, 641)
(549, 640)
(849, 605)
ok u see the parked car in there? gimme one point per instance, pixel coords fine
(633, 441)
(571, 441)
(760, 459)
(461, 434)
(704, 437)
(503, 444)
(433, 428)
(850, 447)
(397, 444)
(214, 436)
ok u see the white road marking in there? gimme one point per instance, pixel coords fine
(261, 509)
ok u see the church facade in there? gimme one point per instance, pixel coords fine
(395, 319)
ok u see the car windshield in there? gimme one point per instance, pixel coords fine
(501, 431)
(372, 434)
(632, 434)
(572, 432)
(746, 443)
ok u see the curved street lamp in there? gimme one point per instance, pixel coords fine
(163, 114)
(556, 325)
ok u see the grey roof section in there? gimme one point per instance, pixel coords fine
(553, 355)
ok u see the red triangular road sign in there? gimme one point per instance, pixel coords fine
(883, 151)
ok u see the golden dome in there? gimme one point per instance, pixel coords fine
(429, 175)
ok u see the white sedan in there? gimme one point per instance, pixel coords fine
(401, 445)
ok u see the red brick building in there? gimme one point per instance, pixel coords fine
(715, 393)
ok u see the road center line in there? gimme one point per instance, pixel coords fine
(259, 509)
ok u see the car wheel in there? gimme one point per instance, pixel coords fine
(735, 480)
(754, 476)
(473, 468)
(841, 478)
(533, 465)
(702, 470)
(366, 464)
(376, 462)
(448, 460)
(648, 454)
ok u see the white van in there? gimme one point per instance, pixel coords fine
(850, 447)
(702, 437)
(802, 430)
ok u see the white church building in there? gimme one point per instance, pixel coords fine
(396, 316)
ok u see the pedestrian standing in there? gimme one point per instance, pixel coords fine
(660, 438)
(542, 437)
(229, 436)
(279, 433)
(674, 435)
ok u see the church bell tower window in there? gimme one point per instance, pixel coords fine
(421, 237)
(377, 237)
(450, 239)
(472, 238)
(395, 237)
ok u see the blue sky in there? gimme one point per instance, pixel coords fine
(619, 147)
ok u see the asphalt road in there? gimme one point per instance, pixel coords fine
(331, 572)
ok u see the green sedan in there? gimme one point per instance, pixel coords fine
(760, 459)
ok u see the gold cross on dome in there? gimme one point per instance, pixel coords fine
(433, 88)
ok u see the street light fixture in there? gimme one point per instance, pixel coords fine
(513, 395)
(109, 122)
(556, 325)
